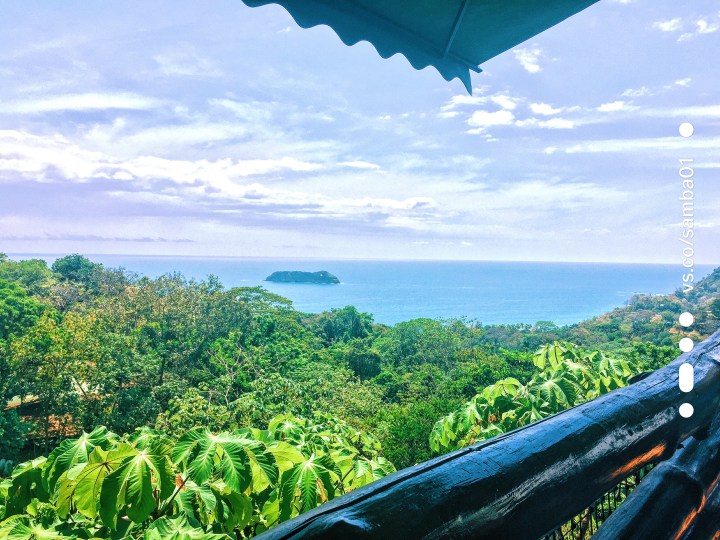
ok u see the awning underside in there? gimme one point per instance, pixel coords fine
(454, 36)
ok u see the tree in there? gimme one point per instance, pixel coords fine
(342, 325)
(76, 268)
(45, 366)
(32, 274)
(18, 311)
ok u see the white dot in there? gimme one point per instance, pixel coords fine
(686, 129)
(686, 410)
(686, 344)
(686, 319)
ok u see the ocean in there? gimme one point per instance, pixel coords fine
(395, 291)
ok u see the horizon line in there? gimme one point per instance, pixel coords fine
(363, 259)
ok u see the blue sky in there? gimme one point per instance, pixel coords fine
(177, 128)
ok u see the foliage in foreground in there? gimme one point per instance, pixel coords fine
(201, 485)
(565, 377)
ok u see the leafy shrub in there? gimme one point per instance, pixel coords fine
(565, 377)
(199, 485)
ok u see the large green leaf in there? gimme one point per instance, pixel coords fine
(558, 390)
(129, 488)
(73, 451)
(263, 464)
(306, 485)
(233, 509)
(178, 528)
(443, 433)
(146, 438)
(26, 484)
(199, 502)
(23, 528)
(80, 487)
(235, 459)
(285, 454)
(288, 428)
(553, 355)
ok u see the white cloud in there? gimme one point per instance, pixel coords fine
(646, 91)
(213, 186)
(254, 111)
(463, 100)
(552, 123)
(614, 106)
(483, 119)
(184, 61)
(81, 102)
(529, 58)
(545, 109)
(705, 27)
(26, 153)
(537, 194)
(638, 92)
(448, 114)
(359, 165)
(506, 102)
(702, 26)
(671, 25)
(701, 111)
(557, 123)
(182, 135)
(651, 144)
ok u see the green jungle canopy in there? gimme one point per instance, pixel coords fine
(455, 36)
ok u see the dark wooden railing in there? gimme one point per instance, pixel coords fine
(675, 495)
(588, 521)
(527, 483)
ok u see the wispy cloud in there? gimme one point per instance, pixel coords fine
(638, 92)
(463, 100)
(545, 109)
(671, 25)
(703, 25)
(95, 238)
(529, 58)
(224, 187)
(552, 123)
(506, 102)
(708, 25)
(81, 102)
(615, 106)
(184, 61)
(47, 157)
(656, 144)
(358, 164)
(484, 119)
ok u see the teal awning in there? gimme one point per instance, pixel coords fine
(455, 36)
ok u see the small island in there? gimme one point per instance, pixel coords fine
(285, 276)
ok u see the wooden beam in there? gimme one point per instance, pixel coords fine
(669, 500)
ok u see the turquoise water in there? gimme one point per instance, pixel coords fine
(392, 291)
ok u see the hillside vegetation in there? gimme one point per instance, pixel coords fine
(151, 407)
